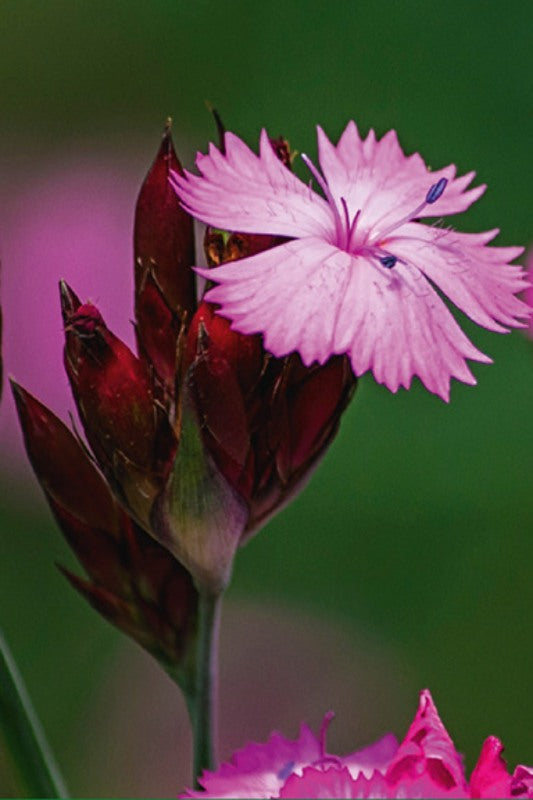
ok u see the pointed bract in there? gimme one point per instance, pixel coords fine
(164, 235)
(63, 467)
(165, 286)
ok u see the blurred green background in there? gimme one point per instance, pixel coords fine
(415, 532)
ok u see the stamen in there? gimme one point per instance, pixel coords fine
(325, 188)
(318, 177)
(388, 261)
(350, 226)
(351, 232)
(346, 214)
(436, 190)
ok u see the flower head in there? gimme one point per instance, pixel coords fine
(425, 764)
(201, 435)
(359, 274)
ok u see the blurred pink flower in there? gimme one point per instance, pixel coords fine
(425, 764)
(357, 275)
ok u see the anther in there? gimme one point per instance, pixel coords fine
(388, 261)
(436, 190)
(329, 197)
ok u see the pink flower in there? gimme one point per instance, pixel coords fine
(528, 294)
(425, 764)
(358, 272)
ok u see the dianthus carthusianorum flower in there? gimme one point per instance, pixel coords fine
(359, 273)
(426, 764)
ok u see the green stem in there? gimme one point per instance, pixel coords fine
(23, 733)
(203, 701)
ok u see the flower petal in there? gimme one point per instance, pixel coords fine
(376, 177)
(239, 191)
(333, 782)
(291, 294)
(427, 764)
(376, 756)
(260, 770)
(490, 777)
(311, 297)
(528, 294)
(401, 328)
(476, 278)
(522, 782)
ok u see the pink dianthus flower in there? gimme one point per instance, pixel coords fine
(528, 294)
(425, 764)
(359, 273)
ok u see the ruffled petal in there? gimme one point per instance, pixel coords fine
(309, 296)
(376, 177)
(376, 756)
(291, 294)
(402, 329)
(333, 782)
(476, 278)
(260, 770)
(239, 191)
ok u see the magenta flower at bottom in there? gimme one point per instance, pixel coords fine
(426, 764)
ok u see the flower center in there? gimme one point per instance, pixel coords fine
(345, 228)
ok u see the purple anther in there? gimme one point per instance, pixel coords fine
(286, 770)
(436, 190)
(388, 261)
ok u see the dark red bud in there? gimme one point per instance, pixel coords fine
(112, 388)
(164, 254)
(127, 428)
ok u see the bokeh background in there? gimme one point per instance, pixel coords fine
(407, 561)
